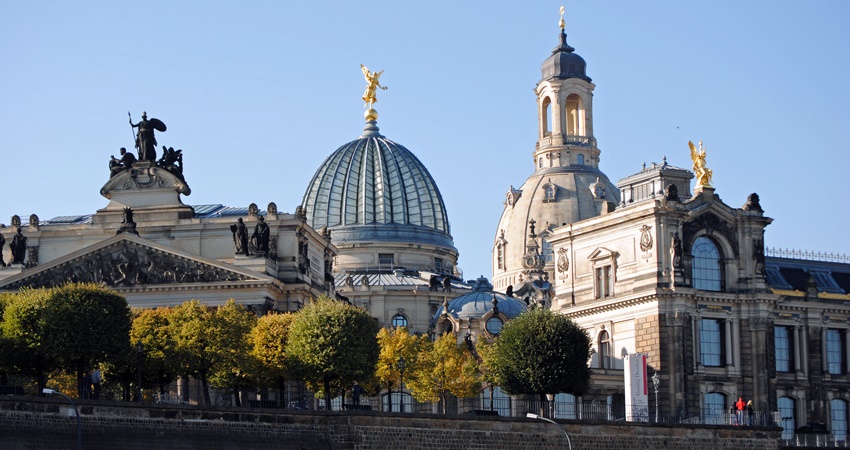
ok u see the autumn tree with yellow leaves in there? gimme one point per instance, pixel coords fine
(444, 368)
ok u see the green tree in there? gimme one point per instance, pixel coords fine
(159, 361)
(396, 344)
(26, 350)
(268, 348)
(208, 343)
(5, 359)
(333, 344)
(86, 324)
(486, 367)
(231, 328)
(539, 352)
(443, 368)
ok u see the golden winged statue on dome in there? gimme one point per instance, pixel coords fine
(702, 173)
(374, 84)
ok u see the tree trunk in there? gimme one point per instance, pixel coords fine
(445, 402)
(236, 401)
(206, 389)
(280, 391)
(327, 394)
(491, 389)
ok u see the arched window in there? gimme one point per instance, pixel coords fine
(838, 414)
(399, 321)
(546, 120)
(565, 406)
(500, 256)
(787, 417)
(580, 159)
(572, 115)
(604, 350)
(714, 408)
(707, 269)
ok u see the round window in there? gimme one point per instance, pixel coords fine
(494, 325)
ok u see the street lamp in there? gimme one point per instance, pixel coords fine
(49, 391)
(656, 380)
(139, 349)
(401, 367)
(535, 416)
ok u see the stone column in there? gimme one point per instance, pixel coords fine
(797, 356)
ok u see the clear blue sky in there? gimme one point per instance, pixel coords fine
(258, 94)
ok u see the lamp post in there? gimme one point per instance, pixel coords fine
(535, 416)
(656, 380)
(49, 391)
(401, 367)
(139, 349)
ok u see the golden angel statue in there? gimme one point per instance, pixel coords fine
(702, 173)
(372, 79)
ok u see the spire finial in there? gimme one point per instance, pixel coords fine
(561, 23)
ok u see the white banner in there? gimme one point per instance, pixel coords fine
(637, 394)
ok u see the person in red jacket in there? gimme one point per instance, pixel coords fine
(740, 405)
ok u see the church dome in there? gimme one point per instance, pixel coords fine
(373, 189)
(476, 304)
(564, 63)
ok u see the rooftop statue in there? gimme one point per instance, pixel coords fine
(145, 139)
(117, 165)
(371, 89)
(702, 173)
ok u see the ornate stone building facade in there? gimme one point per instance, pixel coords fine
(157, 251)
(650, 266)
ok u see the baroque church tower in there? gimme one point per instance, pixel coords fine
(566, 185)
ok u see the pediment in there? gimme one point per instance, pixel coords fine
(127, 260)
(602, 253)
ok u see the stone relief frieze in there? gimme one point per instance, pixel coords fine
(124, 264)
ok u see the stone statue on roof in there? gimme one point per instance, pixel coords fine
(145, 139)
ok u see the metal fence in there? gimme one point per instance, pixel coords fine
(294, 396)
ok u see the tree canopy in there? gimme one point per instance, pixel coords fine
(333, 344)
(268, 348)
(396, 344)
(539, 352)
(86, 324)
(444, 367)
(25, 348)
(208, 343)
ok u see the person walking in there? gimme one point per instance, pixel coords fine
(750, 413)
(95, 379)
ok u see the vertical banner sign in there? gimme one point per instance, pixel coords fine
(637, 394)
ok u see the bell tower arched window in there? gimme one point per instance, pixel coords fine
(707, 265)
(546, 120)
(572, 107)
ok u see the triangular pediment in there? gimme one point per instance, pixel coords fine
(127, 260)
(602, 253)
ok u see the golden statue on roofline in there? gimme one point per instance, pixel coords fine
(702, 173)
(371, 89)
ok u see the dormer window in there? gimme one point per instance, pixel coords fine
(550, 192)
